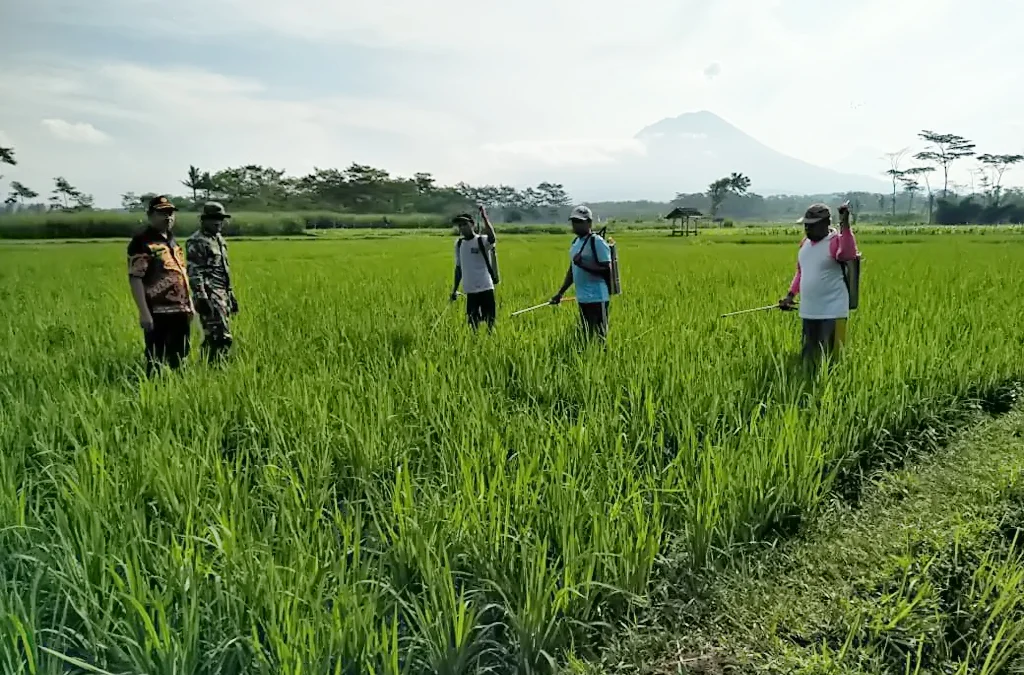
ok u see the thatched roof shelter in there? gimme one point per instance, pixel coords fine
(684, 212)
(682, 218)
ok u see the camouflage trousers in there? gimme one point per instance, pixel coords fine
(217, 332)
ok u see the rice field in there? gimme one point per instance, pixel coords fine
(354, 493)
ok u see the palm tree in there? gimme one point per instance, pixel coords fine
(739, 183)
(194, 182)
(7, 157)
(21, 193)
(716, 193)
(206, 182)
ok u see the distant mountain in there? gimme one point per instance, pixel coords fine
(686, 153)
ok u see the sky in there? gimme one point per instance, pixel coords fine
(123, 95)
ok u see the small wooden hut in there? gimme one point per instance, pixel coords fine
(684, 220)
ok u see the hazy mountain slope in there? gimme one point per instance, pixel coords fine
(685, 153)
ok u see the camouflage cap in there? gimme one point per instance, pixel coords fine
(160, 203)
(215, 210)
(815, 214)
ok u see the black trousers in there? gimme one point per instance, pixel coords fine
(169, 341)
(481, 307)
(822, 337)
(594, 318)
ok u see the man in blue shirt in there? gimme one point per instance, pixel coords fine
(589, 270)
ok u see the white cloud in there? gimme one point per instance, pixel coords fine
(647, 60)
(75, 132)
(476, 86)
(444, 25)
(202, 98)
(213, 121)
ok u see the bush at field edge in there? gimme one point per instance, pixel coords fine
(123, 225)
(100, 224)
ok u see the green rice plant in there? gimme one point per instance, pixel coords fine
(355, 493)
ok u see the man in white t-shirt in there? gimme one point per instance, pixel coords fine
(474, 268)
(820, 280)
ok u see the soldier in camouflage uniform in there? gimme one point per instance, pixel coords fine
(210, 278)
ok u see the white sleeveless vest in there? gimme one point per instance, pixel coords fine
(823, 294)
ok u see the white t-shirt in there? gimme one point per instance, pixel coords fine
(475, 277)
(823, 293)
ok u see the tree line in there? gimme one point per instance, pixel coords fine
(363, 189)
(987, 202)
(64, 196)
(359, 189)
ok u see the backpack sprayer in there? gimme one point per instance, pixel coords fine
(851, 268)
(851, 277)
(490, 254)
(613, 280)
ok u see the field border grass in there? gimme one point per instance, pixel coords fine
(113, 224)
(794, 607)
(91, 225)
(788, 235)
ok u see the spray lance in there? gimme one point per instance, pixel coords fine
(766, 308)
(444, 311)
(543, 304)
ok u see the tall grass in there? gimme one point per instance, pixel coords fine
(111, 224)
(354, 493)
(102, 224)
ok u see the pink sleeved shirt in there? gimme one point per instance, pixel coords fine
(841, 248)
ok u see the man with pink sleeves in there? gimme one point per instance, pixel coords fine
(820, 280)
